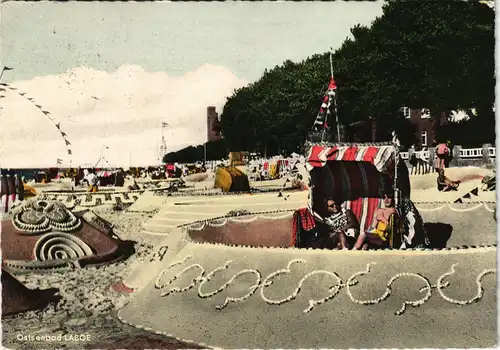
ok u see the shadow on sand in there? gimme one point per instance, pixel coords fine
(439, 233)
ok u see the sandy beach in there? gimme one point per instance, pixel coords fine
(90, 306)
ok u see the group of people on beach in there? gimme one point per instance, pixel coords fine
(342, 230)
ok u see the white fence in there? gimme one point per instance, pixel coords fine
(465, 153)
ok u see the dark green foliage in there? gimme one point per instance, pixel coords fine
(216, 150)
(433, 54)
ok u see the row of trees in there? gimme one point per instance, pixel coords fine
(215, 150)
(437, 55)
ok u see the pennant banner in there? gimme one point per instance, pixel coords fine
(47, 114)
(469, 195)
(320, 123)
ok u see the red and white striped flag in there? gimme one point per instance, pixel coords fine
(321, 119)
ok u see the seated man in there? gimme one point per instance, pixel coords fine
(444, 184)
(340, 222)
(378, 234)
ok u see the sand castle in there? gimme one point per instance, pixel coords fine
(46, 235)
(238, 281)
(231, 260)
(228, 262)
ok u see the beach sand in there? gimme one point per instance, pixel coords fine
(89, 305)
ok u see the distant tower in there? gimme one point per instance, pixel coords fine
(163, 145)
(213, 134)
(163, 148)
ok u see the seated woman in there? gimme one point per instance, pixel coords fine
(378, 235)
(444, 184)
(340, 222)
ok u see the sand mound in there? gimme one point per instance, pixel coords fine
(239, 301)
(185, 210)
(465, 174)
(448, 225)
(258, 233)
(67, 240)
(147, 201)
(196, 177)
(17, 298)
(143, 341)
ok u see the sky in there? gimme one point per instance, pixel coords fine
(148, 62)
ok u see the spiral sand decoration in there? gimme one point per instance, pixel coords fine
(59, 245)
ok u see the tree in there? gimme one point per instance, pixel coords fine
(215, 150)
(437, 55)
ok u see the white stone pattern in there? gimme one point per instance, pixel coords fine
(250, 217)
(222, 221)
(202, 278)
(85, 199)
(208, 193)
(42, 216)
(59, 245)
(459, 208)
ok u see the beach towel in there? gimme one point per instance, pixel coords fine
(414, 234)
(303, 225)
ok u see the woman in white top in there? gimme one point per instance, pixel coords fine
(341, 222)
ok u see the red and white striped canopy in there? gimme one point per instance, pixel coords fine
(381, 156)
(105, 173)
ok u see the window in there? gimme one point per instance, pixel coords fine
(423, 138)
(406, 111)
(425, 113)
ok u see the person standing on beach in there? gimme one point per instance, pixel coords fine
(92, 180)
(442, 153)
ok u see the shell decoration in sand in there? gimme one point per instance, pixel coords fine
(39, 216)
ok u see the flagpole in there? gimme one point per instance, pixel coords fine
(163, 146)
(335, 101)
(331, 63)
